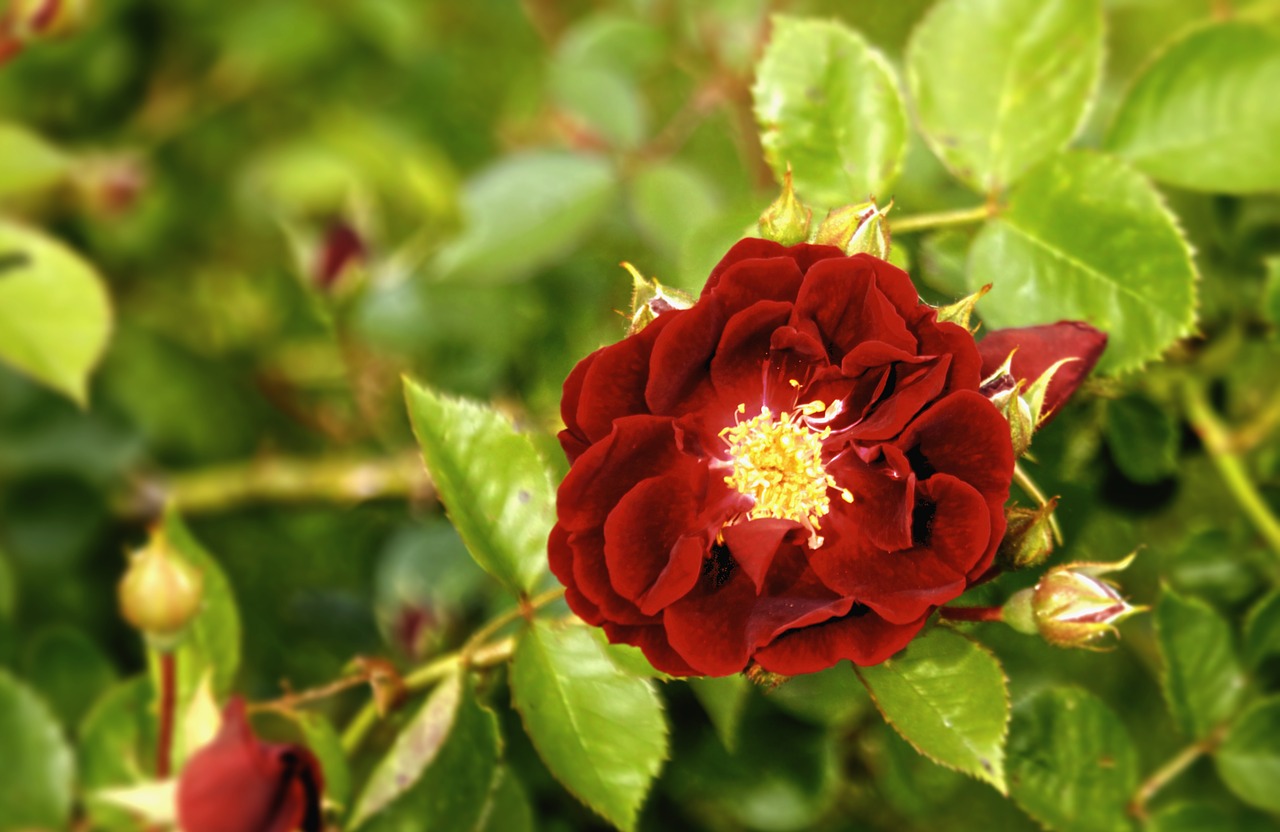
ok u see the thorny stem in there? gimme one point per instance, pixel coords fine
(972, 613)
(1170, 771)
(940, 219)
(476, 653)
(292, 700)
(1024, 481)
(168, 694)
(1231, 466)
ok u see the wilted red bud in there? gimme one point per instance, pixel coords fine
(340, 247)
(1036, 349)
(237, 782)
(1071, 606)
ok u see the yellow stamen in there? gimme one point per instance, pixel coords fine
(778, 464)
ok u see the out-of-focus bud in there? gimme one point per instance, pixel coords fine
(1072, 605)
(1028, 538)
(857, 229)
(786, 220)
(29, 20)
(341, 248)
(960, 311)
(649, 299)
(109, 186)
(160, 592)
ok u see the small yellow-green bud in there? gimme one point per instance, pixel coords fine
(857, 229)
(960, 311)
(1028, 538)
(649, 299)
(1072, 605)
(786, 220)
(160, 592)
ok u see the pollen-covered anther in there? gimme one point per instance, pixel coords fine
(777, 462)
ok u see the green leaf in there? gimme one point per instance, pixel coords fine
(1208, 817)
(440, 769)
(600, 731)
(509, 809)
(1001, 84)
(1143, 438)
(1203, 114)
(669, 200)
(1262, 630)
(117, 748)
(1249, 758)
(1072, 766)
(828, 104)
(606, 103)
(35, 790)
(1084, 237)
(724, 699)
(28, 162)
(947, 696)
(1202, 679)
(829, 697)
(1271, 292)
(524, 212)
(322, 738)
(68, 669)
(492, 482)
(55, 316)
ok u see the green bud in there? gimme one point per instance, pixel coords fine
(160, 592)
(857, 229)
(1072, 605)
(1028, 538)
(960, 311)
(649, 299)
(786, 220)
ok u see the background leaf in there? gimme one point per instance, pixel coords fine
(1249, 758)
(1026, 97)
(492, 482)
(724, 699)
(1143, 438)
(947, 696)
(35, 791)
(1072, 766)
(1203, 115)
(1083, 237)
(1202, 678)
(828, 104)
(28, 162)
(600, 731)
(55, 316)
(1262, 630)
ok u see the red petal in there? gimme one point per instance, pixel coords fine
(560, 555)
(841, 301)
(613, 385)
(755, 543)
(652, 640)
(865, 640)
(1039, 348)
(651, 546)
(963, 434)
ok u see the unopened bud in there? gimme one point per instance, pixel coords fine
(160, 592)
(1028, 538)
(1005, 392)
(1072, 605)
(786, 220)
(960, 311)
(857, 229)
(341, 248)
(649, 299)
(29, 20)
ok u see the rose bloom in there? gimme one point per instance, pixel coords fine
(797, 470)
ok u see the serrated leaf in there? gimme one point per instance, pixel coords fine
(492, 482)
(1249, 758)
(1203, 115)
(35, 790)
(1029, 70)
(724, 698)
(1262, 630)
(828, 105)
(1202, 679)
(1072, 766)
(28, 162)
(600, 731)
(1143, 438)
(440, 769)
(523, 212)
(55, 316)
(947, 696)
(1084, 237)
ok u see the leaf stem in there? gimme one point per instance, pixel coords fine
(168, 694)
(940, 219)
(1170, 771)
(1231, 466)
(1024, 481)
(292, 700)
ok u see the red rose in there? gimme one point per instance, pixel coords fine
(794, 471)
(237, 783)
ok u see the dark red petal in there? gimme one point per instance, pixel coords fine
(864, 639)
(651, 639)
(573, 439)
(914, 386)
(842, 302)
(749, 248)
(560, 555)
(963, 434)
(956, 341)
(613, 385)
(738, 370)
(591, 577)
(755, 543)
(751, 281)
(678, 378)
(651, 547)
(1039, 348)
(895, 284)
(883, 500)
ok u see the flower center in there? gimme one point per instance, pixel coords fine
(777, 462)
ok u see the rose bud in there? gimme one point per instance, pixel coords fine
(1033, 351)
(1029, 538)
(649, 299)
(237, 783)
(1072, 605)
(29, 20)
(786, 221)
(341, 247)
(856, 229)
(160, 592)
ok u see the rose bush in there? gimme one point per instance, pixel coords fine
(797, 470)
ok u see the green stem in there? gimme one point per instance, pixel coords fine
(1168, 772)
(940, 219)
(1231, 466)
(1024, 481)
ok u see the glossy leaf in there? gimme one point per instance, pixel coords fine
(1203, 114)
(35, 790)
(55, 315)
(1143, 438)
(828, 104)
(1072, 766)
(1000, 85)
(723, 698)
(600, 731)
(1202, 678)
(440, 768)
(1084, 237)
(491, 481)
(1249, 758)
(524, 212)
(947, 696)
(1262, 630)
(28, 162)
